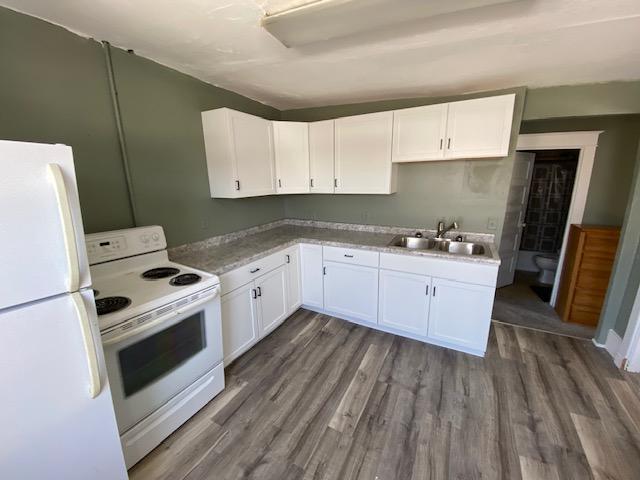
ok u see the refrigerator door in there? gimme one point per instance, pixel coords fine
(42, 250)
(51, 425)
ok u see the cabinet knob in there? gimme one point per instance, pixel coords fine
(237, 184)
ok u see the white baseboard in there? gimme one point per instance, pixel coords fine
(612, 345)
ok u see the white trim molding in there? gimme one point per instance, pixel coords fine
(586, 142)
(629, 350)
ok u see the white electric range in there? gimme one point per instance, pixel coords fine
(161, 331)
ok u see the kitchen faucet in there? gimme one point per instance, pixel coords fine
(442, 230)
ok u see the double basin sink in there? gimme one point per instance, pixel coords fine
(441, 244)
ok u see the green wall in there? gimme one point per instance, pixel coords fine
(471, 191)
(161, 117)
(613, 165)
(612, 98)
(625, 278)
(54, 89)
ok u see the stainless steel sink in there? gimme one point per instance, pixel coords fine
(442, 244)
(417, 243)
(466, 248)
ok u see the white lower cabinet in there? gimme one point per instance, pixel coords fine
(311, 275)
(294, 284)
(253, 310)
(239, 322)
(272, 299)
(401, 294)
(351, 290)
(460, 313)
(404, 301)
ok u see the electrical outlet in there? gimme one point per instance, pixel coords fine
(492, 223)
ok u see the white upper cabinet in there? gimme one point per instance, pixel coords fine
(419, 133)
(467, 129)
(291, 148)
(363, 154)
(239, 149)
(480, 127)
(321, 152)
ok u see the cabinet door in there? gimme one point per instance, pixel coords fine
(239, 322)
(311, 275)
(272, 299)
(291, 147)
(321, 156)
(294, 288)
(253, 147)
(351, 290)
(404, 301)
(480, 127)
(363, 154)
(419, 133)
(460, 313)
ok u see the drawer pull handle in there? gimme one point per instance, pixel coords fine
(324, 270)
(254, 270)
(288, 258)
(348, 256)
(259, 291)
(254, 294)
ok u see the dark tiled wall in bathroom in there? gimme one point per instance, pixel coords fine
(554, 173)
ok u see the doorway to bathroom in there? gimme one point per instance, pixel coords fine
(548, 191)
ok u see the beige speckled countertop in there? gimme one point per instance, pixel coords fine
(219, 258)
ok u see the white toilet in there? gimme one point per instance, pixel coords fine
(548, 264)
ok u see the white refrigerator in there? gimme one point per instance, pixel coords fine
(56, 415)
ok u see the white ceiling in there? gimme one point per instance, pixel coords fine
(527, 42)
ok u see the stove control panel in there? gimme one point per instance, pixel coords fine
(107, 246)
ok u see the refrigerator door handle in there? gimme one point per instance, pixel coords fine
(89, 345)
(64, 209)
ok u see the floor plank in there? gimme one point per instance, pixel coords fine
(321, 398)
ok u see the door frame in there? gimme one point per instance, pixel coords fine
(586, 143)
(628, 354)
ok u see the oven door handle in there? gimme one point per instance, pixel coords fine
(135, 331)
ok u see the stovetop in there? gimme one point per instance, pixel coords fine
(123, 291)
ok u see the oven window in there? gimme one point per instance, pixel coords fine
(147, 360)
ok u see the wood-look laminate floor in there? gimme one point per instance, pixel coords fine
(322, 398)
(517, 304)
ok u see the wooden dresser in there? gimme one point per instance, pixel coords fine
(591, 250)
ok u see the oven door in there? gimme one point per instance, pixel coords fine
(148, 365)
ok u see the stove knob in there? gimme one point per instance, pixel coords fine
(145, 238)
(156, 237)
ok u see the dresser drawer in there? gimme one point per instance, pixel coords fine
(240, 276)
(353, 256)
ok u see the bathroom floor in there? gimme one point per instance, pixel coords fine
(518, 304)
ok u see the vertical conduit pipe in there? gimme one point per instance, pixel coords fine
(106, 46)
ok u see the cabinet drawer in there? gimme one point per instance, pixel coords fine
(352, 256)
(245, 274)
